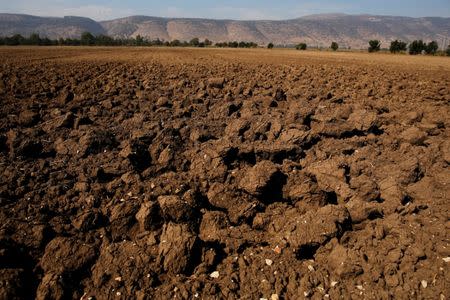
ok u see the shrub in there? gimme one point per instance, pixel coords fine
(374, 46)
(416, 47)
(432, 47)
(270, 45)
(334, 46)
(397, 46)
(448, 51)
(301, 46)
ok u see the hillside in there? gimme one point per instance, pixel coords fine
(316, 30)
(47, 26)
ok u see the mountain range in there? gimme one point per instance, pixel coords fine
(316, 30)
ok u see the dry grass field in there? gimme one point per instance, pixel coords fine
(157, 173)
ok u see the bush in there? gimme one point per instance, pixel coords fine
(270, 46)
(416, 47)
(374, 46)
(432, 47)
(301, 46)
(448, 51)
(397, 46)
(334, 46)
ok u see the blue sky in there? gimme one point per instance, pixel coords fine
(255, 9)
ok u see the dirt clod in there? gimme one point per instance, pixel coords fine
(151, 173)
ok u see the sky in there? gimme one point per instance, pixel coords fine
(235, 9)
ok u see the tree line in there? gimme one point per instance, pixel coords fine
(414, 48)
(88, 39)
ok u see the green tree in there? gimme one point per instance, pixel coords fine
(448, 51)
(175, 43)
(34, 39)
(207, 42)
(15, 40)
(416, 47)
(397, 46)
(139, 40)
(432, 47)
(104, 40)
(374, 46)
(334, 46)
(301, 46)
(270, 46)
(194, 42)
(233, 44)
(87, 39)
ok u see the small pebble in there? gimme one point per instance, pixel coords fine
(424, 284)
(118, 278)
(277, 249)
(118, 293)
(311, 268)
(333, 283)
(214, 274)
(360, 287)
(274, 297)
(446, 259)
(269, 262)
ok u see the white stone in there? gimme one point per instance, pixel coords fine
(214, 274)
(269, 262)
(424, 284)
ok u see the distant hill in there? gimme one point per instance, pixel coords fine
(47, 26)
(316, 30)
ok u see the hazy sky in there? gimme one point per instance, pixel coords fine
(254, 9)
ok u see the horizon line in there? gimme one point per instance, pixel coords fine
(226, 19)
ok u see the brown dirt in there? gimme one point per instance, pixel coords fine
(221, 174)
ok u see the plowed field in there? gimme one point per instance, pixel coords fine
(131, 173)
